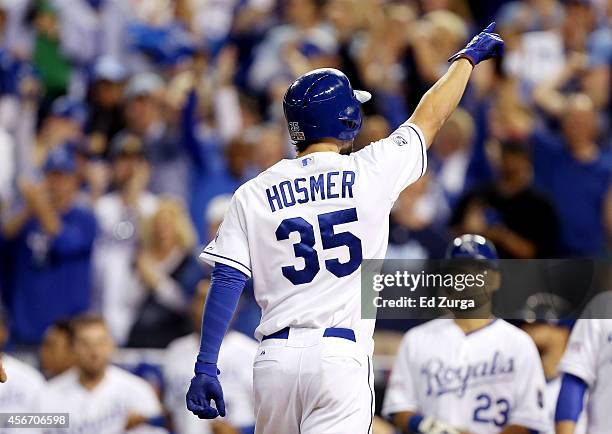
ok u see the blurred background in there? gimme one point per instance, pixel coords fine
(126, 125)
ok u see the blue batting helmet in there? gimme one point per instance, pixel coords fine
(471, 246)
(321, 104)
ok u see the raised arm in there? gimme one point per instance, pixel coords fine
(443, 98)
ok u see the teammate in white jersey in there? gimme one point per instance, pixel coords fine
(23, 392)
(99, 397)
(550, 337)
(235, 362)
(587, 367)
(470, 375)
(301, 229)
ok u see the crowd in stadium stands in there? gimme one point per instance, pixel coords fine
(126, 125)
(123, 122)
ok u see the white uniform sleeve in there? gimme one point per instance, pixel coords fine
(397, 161)
(230, 246)
(530, 410)
(144, 402)
(401, 390)
(580, 358)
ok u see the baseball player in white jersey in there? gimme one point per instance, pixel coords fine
(301, 229)
(22, 393)
(235, 362)
(587, 371)
(468, 375)
(101, 398)
(485, 380)
(550, 338)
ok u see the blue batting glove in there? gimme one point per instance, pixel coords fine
(205, 387)
(483, 46)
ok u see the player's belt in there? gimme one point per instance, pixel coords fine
(330, 332)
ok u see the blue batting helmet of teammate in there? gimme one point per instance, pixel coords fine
(322, 104)
(471, 246)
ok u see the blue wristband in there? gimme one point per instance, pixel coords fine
(414, 422)
(206, 368)
(159, 421)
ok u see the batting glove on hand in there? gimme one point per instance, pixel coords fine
(429, 425)
(483, 46)
(205, 387)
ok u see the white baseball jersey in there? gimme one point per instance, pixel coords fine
(302, 228)
(105, 408)
(479, 382)
(236, 366)
(22, 392)
(589, 357)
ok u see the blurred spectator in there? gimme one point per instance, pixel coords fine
(270, 147)
(215, 213)
(53, 237)
(374, 127)
(432, 41)
(578, 177)
(25, 388)
(510, 211)
(449, 155)
(105, 99)
(524, 16)
(416, 227)
(55, 353)
(235, 363)
(100, 397)
(119, 215)
(92, 28)
(53, 65)
(289, 50)
(7, 166)
(161, 143)
(221, 178)
(64, 124)
(169, 273)
(214, 135)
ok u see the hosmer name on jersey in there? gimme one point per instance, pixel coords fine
(443, 379)
(330, 185)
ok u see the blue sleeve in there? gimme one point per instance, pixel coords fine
(188, 126)
(223, 296)
(571, 397)
(204, 151)
(77, 236)
(479, 169)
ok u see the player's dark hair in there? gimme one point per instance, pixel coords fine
(64, 326)
(83, 321)
(301, 146)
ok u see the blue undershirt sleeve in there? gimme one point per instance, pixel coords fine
(571, 397)
(223, 296)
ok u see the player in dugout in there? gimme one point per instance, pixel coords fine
(483, 375)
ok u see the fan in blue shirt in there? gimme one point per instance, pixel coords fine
(51, 239)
